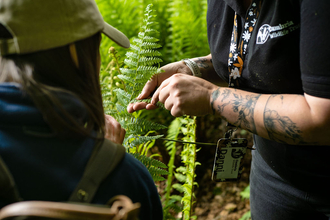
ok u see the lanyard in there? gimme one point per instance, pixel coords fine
(238, 49)
(238, 46)
(230, 151)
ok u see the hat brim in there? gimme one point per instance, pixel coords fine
(115, 35)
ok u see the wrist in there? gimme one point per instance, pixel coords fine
(213, 97)
(192, 65)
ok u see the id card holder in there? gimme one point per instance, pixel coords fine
(228, 159)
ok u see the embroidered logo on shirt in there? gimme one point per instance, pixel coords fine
(266, 31)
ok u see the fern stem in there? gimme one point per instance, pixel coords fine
(189, 153)
(173, 133)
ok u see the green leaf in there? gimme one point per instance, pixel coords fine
(180, 177)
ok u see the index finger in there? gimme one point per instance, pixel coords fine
(149, 87)
(155, 96)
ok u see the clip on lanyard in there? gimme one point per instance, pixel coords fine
(230, 151)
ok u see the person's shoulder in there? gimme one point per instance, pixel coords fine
(132, 178)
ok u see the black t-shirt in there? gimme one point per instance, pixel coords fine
(287, 54)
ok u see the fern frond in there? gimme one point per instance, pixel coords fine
(132, 55)
(150, 31)
(149, 125)
(150, 53)
(130, 63)
(126, 79)
(173, 205)
(130, 72)
(108, 104)
(147, 69)
(110, 112)
(150, 45)
(158, 170)
(149, 61)
(180, 177)
(121, 110)
(123, 96)
(178, 187)
(188, 157)
(182, 170)
(148, 38)
(176, 198)
(153, 166)
(106, 94)
(137, 140)
(172, 134)
(135, 48)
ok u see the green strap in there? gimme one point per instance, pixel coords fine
(102, 162)
(8, 189)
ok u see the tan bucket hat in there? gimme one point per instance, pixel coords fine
(38, 25)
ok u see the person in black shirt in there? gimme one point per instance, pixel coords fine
(274, 54)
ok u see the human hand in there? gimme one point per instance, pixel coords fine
(113, 130)
(154, 82)
(185, 95)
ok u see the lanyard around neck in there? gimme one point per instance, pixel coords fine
(238, 46)
(238, 49)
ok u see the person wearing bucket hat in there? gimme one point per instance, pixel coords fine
(51, 113)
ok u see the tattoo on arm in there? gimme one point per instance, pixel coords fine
(202, 63)
(243, 105)
(280, 128)
(215, 95)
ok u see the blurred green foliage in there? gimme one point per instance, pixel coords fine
(182, 33)
(181, 25)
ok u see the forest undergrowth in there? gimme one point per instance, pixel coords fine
(181, 171)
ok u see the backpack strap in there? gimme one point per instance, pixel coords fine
(8, 189)
(102, 162)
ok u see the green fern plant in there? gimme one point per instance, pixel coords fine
(188, 35)
(172, 202)
(188, 157)
(155, 167)
(110, 81)
(179, 42)
(185, 174)
(125, 84)
(142, 62)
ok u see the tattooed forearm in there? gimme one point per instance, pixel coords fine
(203, 63)
(225, 94)
(242, 105)
(215, 95)
(280, 128)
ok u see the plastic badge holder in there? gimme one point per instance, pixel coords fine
(228, 159)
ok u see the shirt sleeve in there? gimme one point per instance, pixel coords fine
(314, 47)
